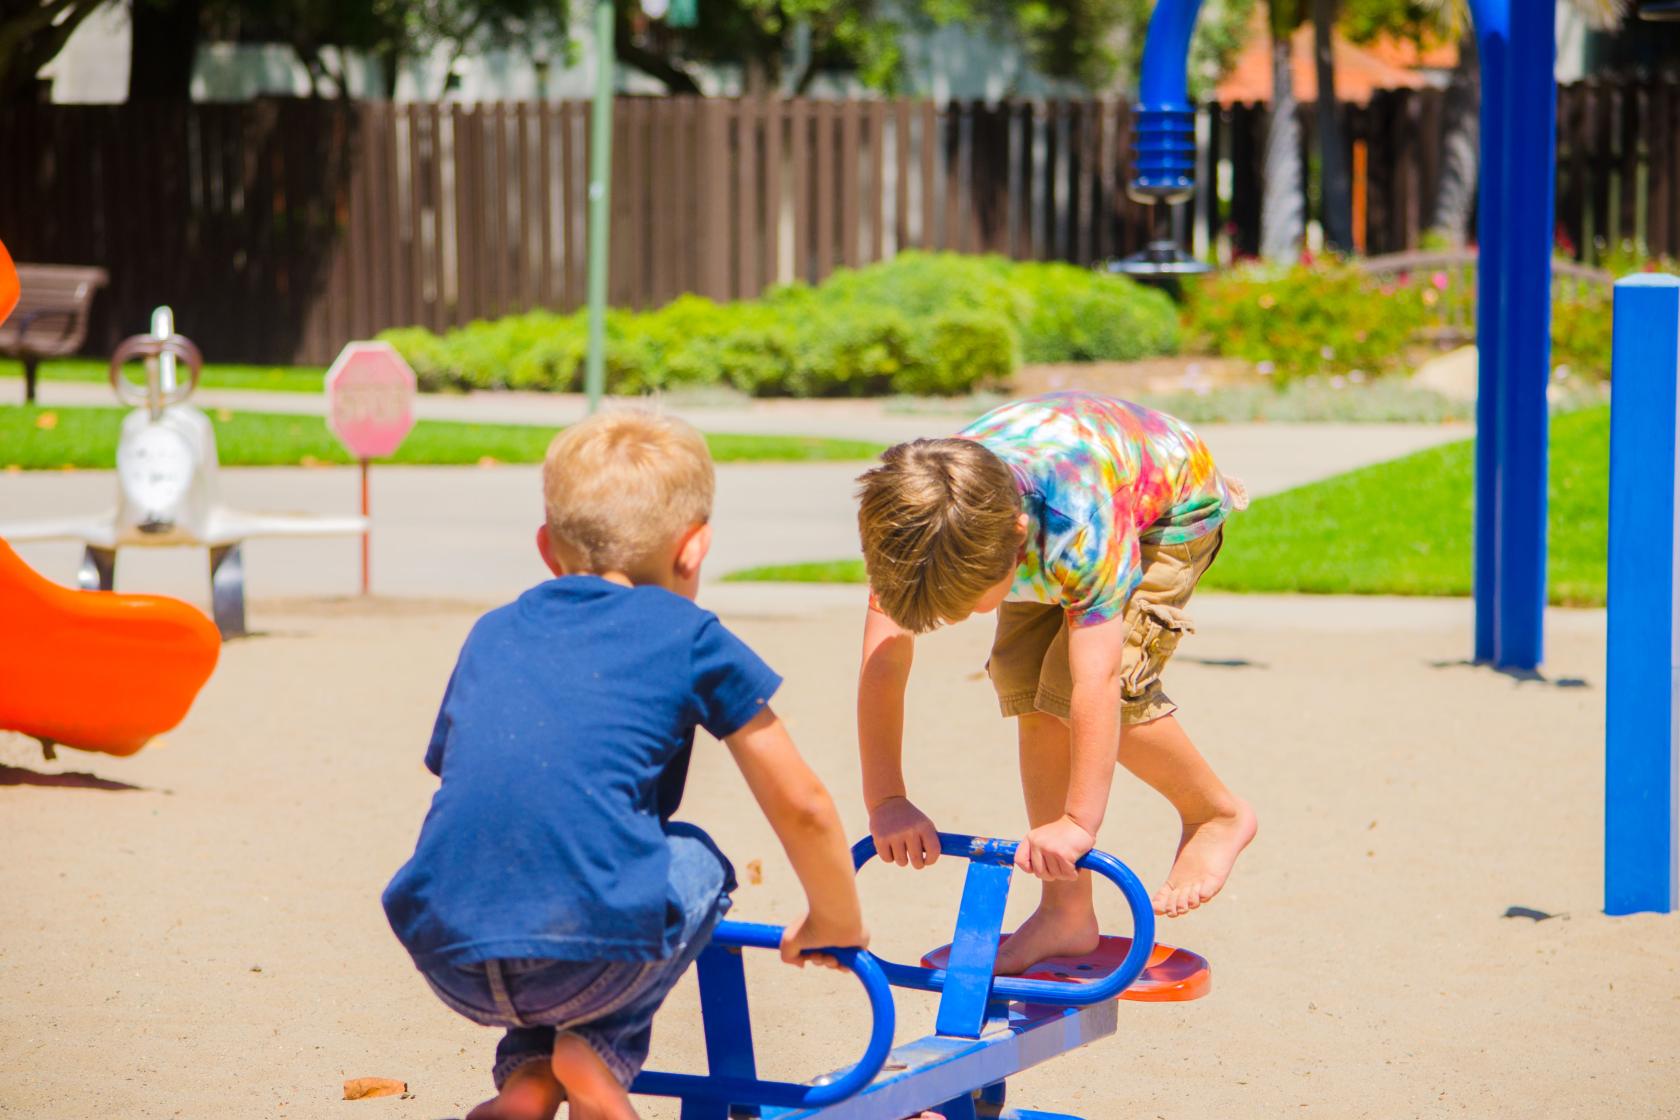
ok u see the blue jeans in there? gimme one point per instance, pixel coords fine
(608, 1004)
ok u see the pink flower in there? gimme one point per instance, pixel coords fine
(1440, 281)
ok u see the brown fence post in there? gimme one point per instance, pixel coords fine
(713, 196)
(877, 126)
(848, 194)
(799, 160)
(1660, 157)
(749, 226)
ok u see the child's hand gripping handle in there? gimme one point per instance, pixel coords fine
(979, 849)
(781, 1094)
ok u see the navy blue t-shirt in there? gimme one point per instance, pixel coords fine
(563, 744)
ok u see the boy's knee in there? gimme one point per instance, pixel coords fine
(1041, 725)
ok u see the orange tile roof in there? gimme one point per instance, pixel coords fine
(1360, 71)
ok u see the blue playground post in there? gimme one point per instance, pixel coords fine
(1513, 328)
(1517, 43)
(1642, 717)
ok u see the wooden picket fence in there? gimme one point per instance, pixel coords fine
(278, 229)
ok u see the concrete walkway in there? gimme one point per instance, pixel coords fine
(465, 532)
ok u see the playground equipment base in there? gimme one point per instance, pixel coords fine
(988, 1027)
(937, 1073)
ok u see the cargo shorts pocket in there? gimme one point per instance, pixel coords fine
(1155, 634)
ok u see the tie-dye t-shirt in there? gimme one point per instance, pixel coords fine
(1099, 477)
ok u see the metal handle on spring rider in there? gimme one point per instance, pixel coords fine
(1050, 993)
(153, 396)
(786, 1094)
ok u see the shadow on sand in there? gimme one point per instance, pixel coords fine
(1524, 676)
(70, 779)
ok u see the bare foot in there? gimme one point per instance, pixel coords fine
(1206, 853)
(1048, 933)
(529, 1093)
(592, 1090)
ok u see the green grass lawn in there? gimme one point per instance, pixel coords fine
(86, 438)
(1396, 528)
(285, 379)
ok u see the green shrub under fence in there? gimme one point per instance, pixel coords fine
(922, 324)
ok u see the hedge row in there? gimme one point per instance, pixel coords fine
(922, 324)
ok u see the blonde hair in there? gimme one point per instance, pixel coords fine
(620, 486)
(939, 520)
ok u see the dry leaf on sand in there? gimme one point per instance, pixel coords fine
(363, 1088)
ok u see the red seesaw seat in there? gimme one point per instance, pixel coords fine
(95, 669)
(1172, 976)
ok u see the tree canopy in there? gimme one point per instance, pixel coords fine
(1094, 43)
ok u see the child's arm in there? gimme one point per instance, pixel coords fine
(803, 816)
(1050, 851)
(903, 833)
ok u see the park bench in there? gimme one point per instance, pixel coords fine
(1453, 273)
(51, 318)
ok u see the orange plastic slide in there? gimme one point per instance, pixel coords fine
(95, 669)
(8, 283)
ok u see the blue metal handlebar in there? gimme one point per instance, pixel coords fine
(1051, 993)
(786, 1094)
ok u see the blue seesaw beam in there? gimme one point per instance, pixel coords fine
(1642, 674)
(988, 1029)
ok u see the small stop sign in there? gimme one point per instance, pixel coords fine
(370, 399)
(370, 408)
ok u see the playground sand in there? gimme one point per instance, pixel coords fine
(195, 931)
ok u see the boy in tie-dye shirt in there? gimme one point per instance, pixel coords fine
(1085, 522)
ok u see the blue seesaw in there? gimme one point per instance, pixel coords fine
(988, 1027)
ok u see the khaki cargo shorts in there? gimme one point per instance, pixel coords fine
(1029, 662)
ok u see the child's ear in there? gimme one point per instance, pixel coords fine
(1021, 523)
(692, 552)
(545, 546)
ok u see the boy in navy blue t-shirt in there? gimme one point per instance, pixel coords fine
(550, 893)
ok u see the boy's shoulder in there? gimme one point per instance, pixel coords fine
(587, 607)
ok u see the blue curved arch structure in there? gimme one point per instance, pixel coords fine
(1514, 281)
(989, 1028)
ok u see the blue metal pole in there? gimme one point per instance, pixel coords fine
(1513, 330)
(1642, 673)
(1164, 137)
(1531, 173)
(1492, 31)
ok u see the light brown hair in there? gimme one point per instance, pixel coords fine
(939, 522)
(620, 487)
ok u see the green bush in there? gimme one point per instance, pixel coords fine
(1305, 320)
(1076, 315)
(1581, 323)
(922, 323)
(919, 285)
(847, 351)
(957, 352)
(426, 353)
